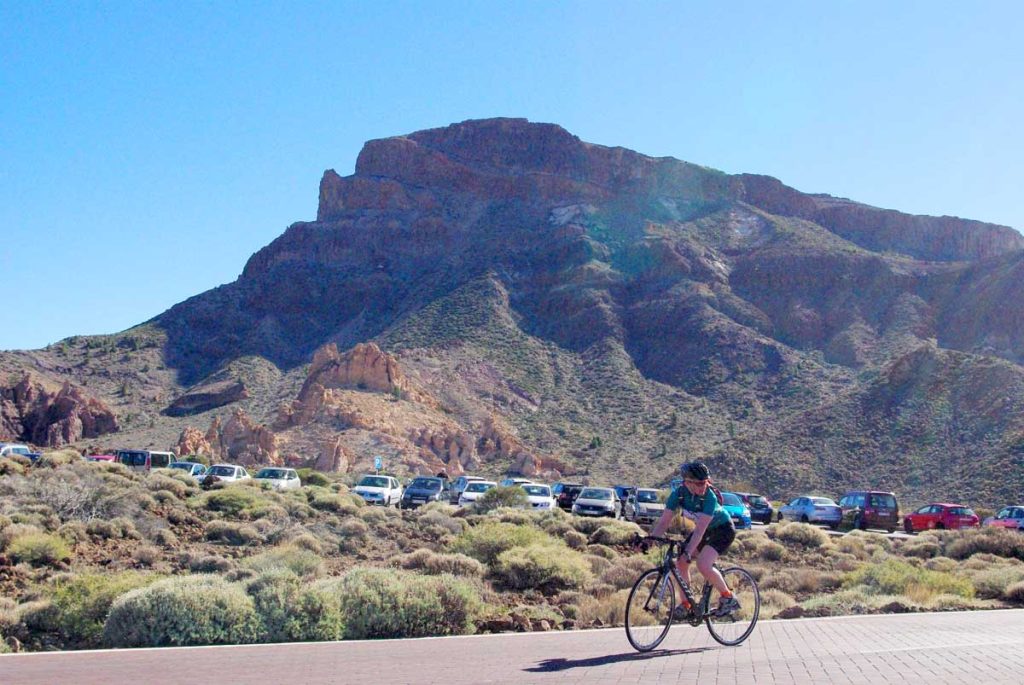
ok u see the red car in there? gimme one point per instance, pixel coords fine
(940, 516)
(1008, 517)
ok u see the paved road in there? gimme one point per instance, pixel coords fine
(985, 647)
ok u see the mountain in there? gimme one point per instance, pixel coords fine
(558, 307)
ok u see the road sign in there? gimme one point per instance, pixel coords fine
(378, 463)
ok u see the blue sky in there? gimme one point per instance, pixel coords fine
(148, 149)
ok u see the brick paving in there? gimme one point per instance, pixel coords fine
(982, 646)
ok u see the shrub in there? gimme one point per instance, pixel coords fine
(208, 563)
(442, 522)
(771, 551)
(921, 547)
(487, 540)
(944, 564)
(311, 477)
(307, 542)
(497, 497)
(999, 541)
(602, 608)
(436, 564)
(993, 582)
(113, 529)
(802, 534)
(773, 601)
(159, 482)
(291, 610)
(74, 532)
(298, 561)
(58, 458)
(235, 500)
(165, 537)
(894, 577)
(575, 539)
(617, 533)
(379, 603)
(545, 567)
(1014, 593)
(624, 572)
(232, 533)
(80, 604)
(330, 501)
(39, 549)
(146, 555)
(187, 610)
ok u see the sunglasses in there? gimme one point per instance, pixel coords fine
(695, 482)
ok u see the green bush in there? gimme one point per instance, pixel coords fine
(235, 500)
(544, 567)
(292, 610)
(301, 562)
(311, 477)
(894, 577)
(575, 539)
(80, 604)
(167, 482)
(486, 541)
(382, 603)
(802, 534)
(187, 610)
(39, 549)
(436, 564)
(615, 533)
(58, 458)
(497, 497)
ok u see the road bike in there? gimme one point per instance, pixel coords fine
(651, 607)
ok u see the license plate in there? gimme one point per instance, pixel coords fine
(418, 501)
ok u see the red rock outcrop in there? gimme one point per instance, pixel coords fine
(240, 441)
(192, 441)
(208, 396)
(42, 413)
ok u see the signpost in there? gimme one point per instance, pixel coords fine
(378, 464)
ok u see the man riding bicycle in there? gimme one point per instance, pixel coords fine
(712, 536)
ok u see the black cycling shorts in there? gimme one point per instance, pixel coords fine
(719, 538)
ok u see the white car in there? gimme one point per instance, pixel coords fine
(278, 478)
(596, 502)
(539, 495)
(474, 490)
(227, 473)
(383, 490)
(192, 468)
(514, 481)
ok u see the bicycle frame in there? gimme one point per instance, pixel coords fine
(699, 611)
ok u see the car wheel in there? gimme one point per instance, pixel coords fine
(804, 519)
(858, 522)
(939, 526)
(834, 526)
(779, 519)
(908, 527)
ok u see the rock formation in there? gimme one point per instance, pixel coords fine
(207, 396)
(37, 412)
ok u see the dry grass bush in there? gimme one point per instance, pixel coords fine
(575, 539)
(997, 541)
(168, 481)
(186, 610)
(165, 537)
(943, 564)
(206, 563)
(10, 467)
(802, 581)
(232, 533)
(852, 544)
(433, 563)
(615, 533)
(303, 563)
(872, 541)
(374, 515)
(39, 549)
(598, 565)
(603, 610)
(896, 577)
(146, 555)
(602, 551)
(588, 525)
(308, 542)
(803, 535)
(58, 458)
(518, 517)
(922, 548)
(236, 501)
(484, 542)
(13, 530)
(1014, 593)
(74, 532)
(624, 572)
(114, 529)
(442, 520)
(545, 567)
(290, 609)
(500, 497)
(773, 601)
(845, 602)
(993, 582)
(389, 603)
(559, 529)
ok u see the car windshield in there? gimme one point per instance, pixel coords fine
(537, 490)
(822, 502)
(426, 483)
(887, 501)
(222, 470)
(962, 511)
(477, 486)
(277, 474)
(596, 493)
(647, 496)
(183, 465)
(374, 482)
(758, 500)
(731, 500)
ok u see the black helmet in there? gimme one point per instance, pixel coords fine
(697, 470)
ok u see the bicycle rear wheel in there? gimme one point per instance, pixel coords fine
(735, 627)
(649, 610)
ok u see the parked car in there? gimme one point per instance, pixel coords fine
(596, 502)
(474, 490)
(145, 460)
(225, 473)
(1008, 517)
(863, 509)
(759, 506)
(940, 516)
(539, 495)
(811, 509)
(108, 458)
(192, 468)
(737, 510)
(622, 492)
(9, 449)
(459, 485)
(566, 493)
(514, 481)
(644, 506)
(383, 490)
(279, 478)
(424, 489)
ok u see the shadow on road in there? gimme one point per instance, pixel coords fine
(554, 665)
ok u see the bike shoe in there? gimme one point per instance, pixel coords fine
(726, 606)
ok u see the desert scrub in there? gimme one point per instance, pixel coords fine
(615, 533)
(998, 541)
(58, 458)
(352, 532)
(292, 558)
(234, 501)
(39, 549)
(1014, 593)
(232, 533)
(311, 477)
(289, 609)
(433, 563)
(773, 601)
(176, 486)
(575, 539)
(993, 582)
(802, 534)
(624, 571)
(79, 604)
(187, 610)
(438, 523)
(497, 497)
(922, 547)
(331, 501)
(601, 609)
(895, 577)
(391, 603)
(486, 541)
(544, 567)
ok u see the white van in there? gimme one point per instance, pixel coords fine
(145, 460)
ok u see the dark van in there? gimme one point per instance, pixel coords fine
(863, 509)
(145, 460)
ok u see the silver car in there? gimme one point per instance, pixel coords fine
(596, 502)
(811, 509)
(644, 506)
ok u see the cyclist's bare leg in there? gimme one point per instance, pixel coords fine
(706, 565)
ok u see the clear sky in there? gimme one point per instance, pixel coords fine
(148, 149)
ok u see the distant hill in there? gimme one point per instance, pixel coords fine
(558, 307)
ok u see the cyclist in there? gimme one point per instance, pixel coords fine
(712, 536)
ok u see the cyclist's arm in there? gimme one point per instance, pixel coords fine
(703, 521)
(663, 523)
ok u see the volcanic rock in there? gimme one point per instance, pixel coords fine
(37, 412)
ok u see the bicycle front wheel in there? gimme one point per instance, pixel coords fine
(649, 610)
(733, 628)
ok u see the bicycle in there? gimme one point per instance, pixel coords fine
(651, 606)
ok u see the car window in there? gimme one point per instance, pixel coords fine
(823, 502)
(758, 500)
(537, 490)
(426, 483)
(730, 499)
(595, 493)
(374, 482)
(222, 471)
(647, 496)
(276, 474)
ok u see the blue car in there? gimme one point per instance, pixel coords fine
(737, 510)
